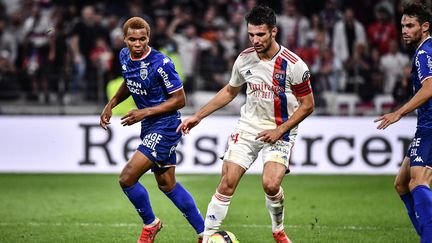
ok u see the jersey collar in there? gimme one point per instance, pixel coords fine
(422, 43)
(143, 57)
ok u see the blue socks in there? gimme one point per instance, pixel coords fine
(139, 197)
(186, 204)
(422, 196)
(409, 204)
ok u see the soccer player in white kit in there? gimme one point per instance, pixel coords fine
(279, 97)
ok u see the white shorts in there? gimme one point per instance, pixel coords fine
(243, 150)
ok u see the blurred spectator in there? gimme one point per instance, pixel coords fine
(189, 46)
(210, 23)
(382, 30)
(329, 16)
(376, 75)
(201, 37)
(317, 28)
(292, 24)
(36, 30)
(402, 90)
(58, 54)
(82, 42)
(214, 68)
(7, 41)
(358, 73)
(135, 8)
(327, 70)
(160, 8)
(347, 32)
(317, 39)
(159, 33)
(391, 64)
(9, 87)
(237, 30)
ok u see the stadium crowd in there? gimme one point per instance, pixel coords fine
(66, 52)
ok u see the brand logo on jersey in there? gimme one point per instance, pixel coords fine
(418, 159)
(154, 154)
(248, 73)
(164, 76)
(144, 65)
(173, 148)
(279, 75)
(166, 60)
(417, 63)
(124, 67)
(429, 63)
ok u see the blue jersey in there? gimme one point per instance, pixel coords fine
(150, 80)
(422, 69)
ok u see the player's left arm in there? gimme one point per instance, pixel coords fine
(422, 96)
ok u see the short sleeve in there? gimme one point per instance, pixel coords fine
(423, 64)
(169, 76)
(236, 79)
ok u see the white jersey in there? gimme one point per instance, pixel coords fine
(272, 88)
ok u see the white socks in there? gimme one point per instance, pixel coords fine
(216, 212)
(275, 206)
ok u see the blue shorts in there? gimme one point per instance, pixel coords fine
(159, 143)
(420, 149)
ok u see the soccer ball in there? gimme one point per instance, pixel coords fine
(223, 237)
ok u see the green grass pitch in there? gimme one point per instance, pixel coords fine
(92, 208)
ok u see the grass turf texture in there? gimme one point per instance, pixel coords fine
(92, 208)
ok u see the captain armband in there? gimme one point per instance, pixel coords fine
(302, 89)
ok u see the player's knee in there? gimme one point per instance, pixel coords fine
(401, 188)
(226, 188)
(271, 188)
(166, 187)
(126, 181)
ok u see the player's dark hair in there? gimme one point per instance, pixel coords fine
(419, 11)
(136, 23)
(261, 15)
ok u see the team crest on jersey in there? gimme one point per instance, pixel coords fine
(279, 75)
(144, 71)
(306, 76)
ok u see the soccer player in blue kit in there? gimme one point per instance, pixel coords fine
(415, 175)
(150, 77)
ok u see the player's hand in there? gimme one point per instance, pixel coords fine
(269, 136)
(387, 119)
(188, 124)
(133, 116)
(105, 118)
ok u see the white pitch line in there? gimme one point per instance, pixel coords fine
(124, 225)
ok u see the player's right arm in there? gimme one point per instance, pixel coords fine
(222, 98)
(121, 94)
